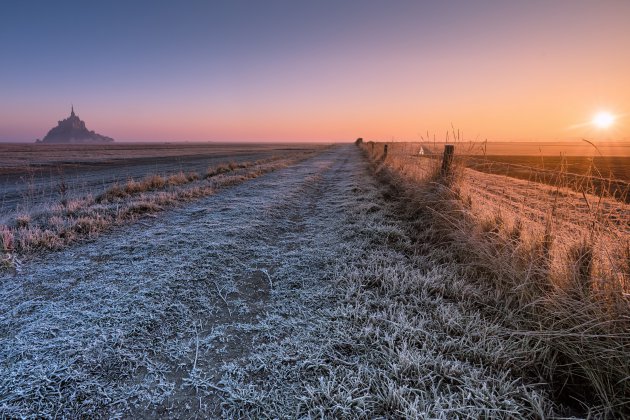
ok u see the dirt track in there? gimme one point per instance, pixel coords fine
(146, 319)
(295, 294)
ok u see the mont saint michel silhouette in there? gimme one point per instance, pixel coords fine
(73, 130)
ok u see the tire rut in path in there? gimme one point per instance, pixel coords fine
(144, 320)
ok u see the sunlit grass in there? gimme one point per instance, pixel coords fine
(551, 260)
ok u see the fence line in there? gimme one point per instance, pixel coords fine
(547, 171)
(613, 187)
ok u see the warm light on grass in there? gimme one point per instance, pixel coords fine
(603, 119)
(557, 269)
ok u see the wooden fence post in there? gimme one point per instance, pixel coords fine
(385, 152)
(447, 160)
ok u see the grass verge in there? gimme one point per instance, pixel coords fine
(562, 288)
(87, 217)
(376, 333)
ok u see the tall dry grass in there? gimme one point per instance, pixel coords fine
(549, 261)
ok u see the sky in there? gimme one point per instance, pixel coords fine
(316, 70)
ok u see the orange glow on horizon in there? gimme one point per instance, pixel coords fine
(381, 73)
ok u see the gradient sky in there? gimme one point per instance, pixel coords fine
(315, 70)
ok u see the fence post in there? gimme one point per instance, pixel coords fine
(447, 160)
(385, 152)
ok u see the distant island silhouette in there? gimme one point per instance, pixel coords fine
(73, 130)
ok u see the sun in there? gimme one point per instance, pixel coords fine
(603, 119)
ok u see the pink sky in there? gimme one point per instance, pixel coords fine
(286, 72)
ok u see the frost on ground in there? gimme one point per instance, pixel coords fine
(290, 295)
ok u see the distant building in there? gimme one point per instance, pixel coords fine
(73, 130)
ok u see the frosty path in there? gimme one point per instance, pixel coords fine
(144, 320)
(296, 294)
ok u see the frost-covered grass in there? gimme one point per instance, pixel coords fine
(88, 216)
(300, 294)
(139, 322)
(380, 335)
(549, 266)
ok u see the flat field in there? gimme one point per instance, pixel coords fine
(580, 165)
(617, 167)
(32, 174)
(597, 174)
(547, 148)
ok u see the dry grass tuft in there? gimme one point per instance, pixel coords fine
(112, 193)
(625, 264)
(140, 208)
(90, 226)
(6, 238)
(178, 179)
(580, 269)
(22, 220)
(36, 238)
(218, 170)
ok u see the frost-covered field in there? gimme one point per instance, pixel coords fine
(31, 175)
(294, 294)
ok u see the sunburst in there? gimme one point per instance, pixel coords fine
(603, 119)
